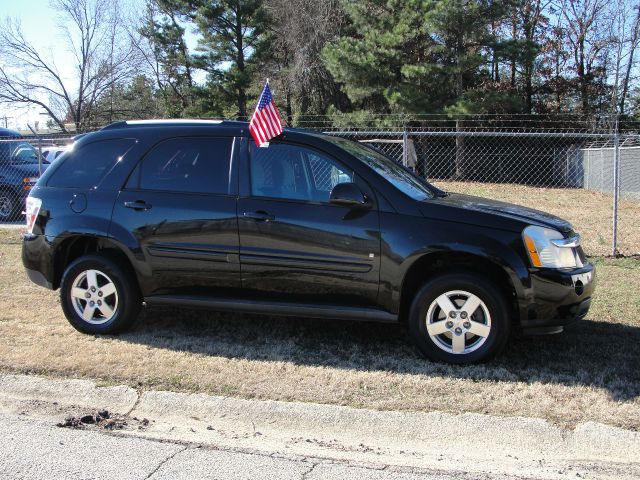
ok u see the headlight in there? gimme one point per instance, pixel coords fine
(549, 249)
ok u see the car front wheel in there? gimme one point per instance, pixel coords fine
(459, 318)
(99, 295)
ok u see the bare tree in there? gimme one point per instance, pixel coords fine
(297, 43)
(103, 57)
(584, 24)
(625, 36)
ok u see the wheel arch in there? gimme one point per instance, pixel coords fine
(76, 246)
(430, 265)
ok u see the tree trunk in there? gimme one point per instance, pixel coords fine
(529, 32)
(514, 33)
(460, 160)
(289, 109)
(242, 95)
(528, 89)
(582, 78)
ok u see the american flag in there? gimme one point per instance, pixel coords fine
(265, 123)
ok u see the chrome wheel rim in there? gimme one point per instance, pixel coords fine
(94, 297)
(6, 205)
(458, 322)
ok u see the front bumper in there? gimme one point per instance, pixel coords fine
(556, 298)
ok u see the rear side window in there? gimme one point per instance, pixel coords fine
(85, 166)
(191, 165)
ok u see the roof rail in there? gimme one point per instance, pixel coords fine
(114, 125)
(190, 121)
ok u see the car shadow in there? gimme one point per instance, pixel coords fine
(589, 353)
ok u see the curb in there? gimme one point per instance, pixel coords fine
(20, 391)
(517, 444)
(407, 431)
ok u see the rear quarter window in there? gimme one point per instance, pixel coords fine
(86, 166)
(17, 152)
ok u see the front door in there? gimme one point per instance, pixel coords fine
(180, 206)
(296, 246)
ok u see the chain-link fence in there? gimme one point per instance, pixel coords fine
(587, 171)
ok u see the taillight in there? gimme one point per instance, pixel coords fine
(31, 212)
(28, 182)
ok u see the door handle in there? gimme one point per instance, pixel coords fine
(259, 216)
(138, 205)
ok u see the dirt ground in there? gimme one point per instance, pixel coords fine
(590, 372)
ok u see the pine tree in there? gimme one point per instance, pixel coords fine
(419, 56)
(377, 62)
(231, 30)
(170, 60)
(463, 39)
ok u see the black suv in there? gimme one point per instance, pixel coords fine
(193, 213)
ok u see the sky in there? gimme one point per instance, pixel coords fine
(41, 26)
(39, 23)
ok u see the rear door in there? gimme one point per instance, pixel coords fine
(180, 205)
(296, 246)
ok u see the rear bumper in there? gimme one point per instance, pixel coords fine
(37, 260)
(38, 278)
(557, 298)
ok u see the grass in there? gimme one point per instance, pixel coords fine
(591, 213)
(590, 372)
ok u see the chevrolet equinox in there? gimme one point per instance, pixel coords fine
(192, 213)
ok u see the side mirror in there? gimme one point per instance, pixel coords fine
(349, 195)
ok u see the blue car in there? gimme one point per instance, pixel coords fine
(19, 171)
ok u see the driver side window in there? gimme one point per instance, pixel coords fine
(295, 173)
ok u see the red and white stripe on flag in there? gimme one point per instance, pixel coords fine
(265, 122)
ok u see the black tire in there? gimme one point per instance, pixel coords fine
(494, 302)
(9, 205)
(127, 303)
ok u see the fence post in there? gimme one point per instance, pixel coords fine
(39, 150)
(616, 185)
(405, 151)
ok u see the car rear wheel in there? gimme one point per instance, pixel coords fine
(99, 295)
(459, 318)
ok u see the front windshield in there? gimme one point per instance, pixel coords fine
(23, 153)
(394, 173)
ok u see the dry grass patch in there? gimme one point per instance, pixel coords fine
(591, 213)
(591, 372)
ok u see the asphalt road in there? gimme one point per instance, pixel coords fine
(171, 435)
(36, 449)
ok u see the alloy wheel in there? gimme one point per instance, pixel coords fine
(458, 322)
(6, 205)
(94, 297)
